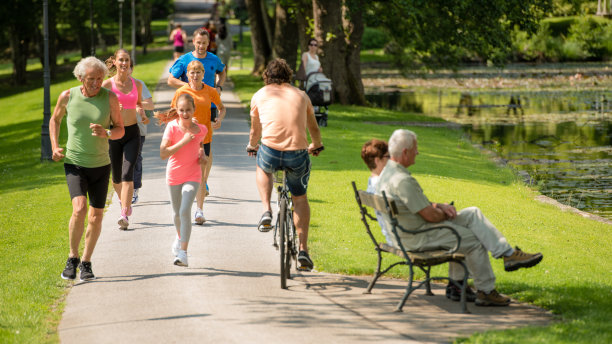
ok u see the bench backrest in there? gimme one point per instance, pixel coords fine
(379, 203)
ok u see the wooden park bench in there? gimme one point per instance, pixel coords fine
(423, 260)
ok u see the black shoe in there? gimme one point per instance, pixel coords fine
(86, 273)
(454, 293)
(69, 272)
(265, 223)
(306, 263)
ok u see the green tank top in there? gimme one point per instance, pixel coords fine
(84, 149)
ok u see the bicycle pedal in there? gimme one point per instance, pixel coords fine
(265, 228)
(304, 268)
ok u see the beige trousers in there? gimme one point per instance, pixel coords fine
(478, 237)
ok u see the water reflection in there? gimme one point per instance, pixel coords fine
(563, 139)
(570, 161)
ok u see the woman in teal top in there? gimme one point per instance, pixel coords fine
(89, 110)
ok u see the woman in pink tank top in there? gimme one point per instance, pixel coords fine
(178, 37)
(124, 151)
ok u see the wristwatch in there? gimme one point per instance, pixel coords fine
(219, 86)
(108, 133)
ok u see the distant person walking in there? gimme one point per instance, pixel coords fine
(181, 145)
(89, 110)
(310, 59)
(224, 45)
(178, 36)
(124, 151)
(203, 96)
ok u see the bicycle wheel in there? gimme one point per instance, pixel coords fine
(289, 242)
(282, 243)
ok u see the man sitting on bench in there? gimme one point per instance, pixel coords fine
(478, 235)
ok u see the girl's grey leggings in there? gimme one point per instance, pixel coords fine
(181, 198)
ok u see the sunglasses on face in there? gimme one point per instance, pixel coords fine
(313, 44)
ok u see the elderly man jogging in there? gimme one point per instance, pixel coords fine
(280, 116)
(89, 110)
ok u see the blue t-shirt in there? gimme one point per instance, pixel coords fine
(212, 65)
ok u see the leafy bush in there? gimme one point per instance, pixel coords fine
(373, 38)
(592, 36)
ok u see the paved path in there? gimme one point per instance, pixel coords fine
(230, 292)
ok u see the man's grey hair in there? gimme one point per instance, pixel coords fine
(88, 63)
(401, 139)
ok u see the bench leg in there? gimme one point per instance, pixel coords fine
(428, 291)
(409, 290)
(464, 287)
(376, 276)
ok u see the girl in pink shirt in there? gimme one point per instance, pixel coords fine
(182, 146)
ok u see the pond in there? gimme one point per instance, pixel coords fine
(562, 139)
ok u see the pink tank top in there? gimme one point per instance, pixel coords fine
(178, 39)
(129, 100)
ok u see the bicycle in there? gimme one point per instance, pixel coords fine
(285, 237)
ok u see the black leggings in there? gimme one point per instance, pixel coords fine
(124, 153)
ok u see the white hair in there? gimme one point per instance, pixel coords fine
(401, 139)
(89, 63)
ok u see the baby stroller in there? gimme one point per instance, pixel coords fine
(319, 89)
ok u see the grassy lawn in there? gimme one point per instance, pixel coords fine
(574, 280)
(36, 209)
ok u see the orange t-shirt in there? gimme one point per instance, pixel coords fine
(202, 99)
(282, 111)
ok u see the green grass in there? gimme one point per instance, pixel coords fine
(574, 280)
(36, 209)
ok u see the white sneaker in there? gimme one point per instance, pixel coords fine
(199, 217)
(181, 258)
(176, 246)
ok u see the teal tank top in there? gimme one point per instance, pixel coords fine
(84, 149)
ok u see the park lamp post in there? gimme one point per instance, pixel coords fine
(120, 23)
(133, 56)
(46, 153)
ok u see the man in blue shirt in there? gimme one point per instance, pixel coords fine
(214, 69)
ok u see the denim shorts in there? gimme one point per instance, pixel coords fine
(297, 164)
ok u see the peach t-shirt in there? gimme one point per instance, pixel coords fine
(202, 99)
(282, 111)
(183, 166)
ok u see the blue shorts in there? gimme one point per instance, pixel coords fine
(297, 164)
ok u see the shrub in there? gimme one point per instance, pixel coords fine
(373, 38)
(592, 35)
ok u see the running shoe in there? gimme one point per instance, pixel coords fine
(305, 262)
(265, 223)
(176, 246)
(199, 217)
(181, 258)
(123, 222)
(135, 197)
(69, 272)
(86, 272)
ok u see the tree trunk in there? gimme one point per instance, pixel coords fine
(340, 54)
(303, 15)
(19, 42)
(285, 36)
(259, 40)
(353, 25)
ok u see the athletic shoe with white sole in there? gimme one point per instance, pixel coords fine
(70, 270)
(199, 217)
(181, 258)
